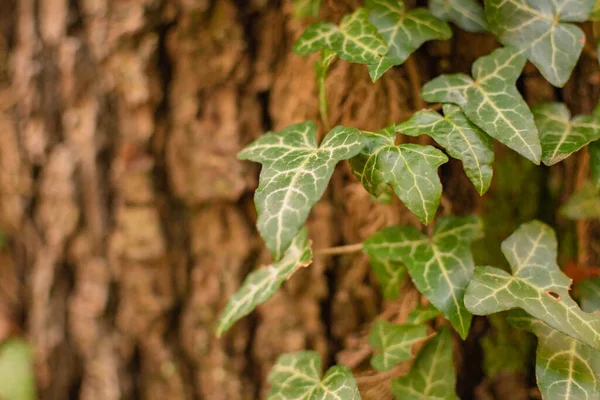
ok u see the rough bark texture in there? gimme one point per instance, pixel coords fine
(130, 221)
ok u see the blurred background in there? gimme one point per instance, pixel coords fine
(127, 220)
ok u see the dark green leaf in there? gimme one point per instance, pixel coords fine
(468, 14)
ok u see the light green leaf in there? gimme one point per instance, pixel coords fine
(306, 8)
(294, 176)
(468, 14)
(422, 314)
(297, 376)
(536, 285)
(409, 169)
(537, 29)
(594, 150)
(560, 135)
(432, 377)
(460, 137)
(565, 368)
(589, 294)
(261, 285)
(404, 31)
(440, 266)
(585, 203)
(595, 14)
(390, 275)
(355, 40)
(492, 101)
(17, 376)
(394, 341)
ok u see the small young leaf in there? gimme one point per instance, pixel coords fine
(594, 150)
(537, 29)
(565, 368)
(468, 14)
(404, 31)
(537, 285)
(17, 376)
(390, 274)
(460, 137)
(306, 8)
(432, 377)
(585, 203)
(262, 284)
(394, 341)
(296, 376)
(589, 294)
(560, 135)
(440, 266)
(409, 169)
(355, 40)
(492, 101)
(421, 314)
(294, 176)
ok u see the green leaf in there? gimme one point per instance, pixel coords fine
(595, 14)
(594, 150)
(404, 31)
(537, 29)
(355, 40)
(294, 176)
(560, 135)
(440, 266)
(17, 376)
(409, 169)
(422, 314)
(261, 285)
(460, 137)
(492, 101)
(306, 8)
(390, 275)
(296, 376)
(505, 349)
(468, 14)
(585, 203)
(395, 342)
(565, 368)
(432, 376)
(589, 294)
(537, 285)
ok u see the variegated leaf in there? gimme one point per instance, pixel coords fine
(390, 274)
(468, 14)
(422, 314)
(394, 342)
(584, 203)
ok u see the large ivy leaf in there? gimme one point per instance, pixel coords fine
(565, 368)
(594, 150)
(536, 285)
(17, 376)
(460, 137)
(262, 284)
(537, 29)
(440, 266)
(404, 31)
(297, 376)
(294, 176)
(354, 40)
(492, 101)
(468, 14)
(395, 342)
(306, 8)
(560, 135)
(409, 169)
(432, 376)
(585, 203)
(589, 294)
(390, 274)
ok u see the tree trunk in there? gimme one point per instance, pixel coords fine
(130, 221)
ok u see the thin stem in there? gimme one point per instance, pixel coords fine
(323, 104)
(346, 249)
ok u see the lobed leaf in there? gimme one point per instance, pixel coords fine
(560, 135)
(390, 274)
(492, 101)
(17, 375)
(585, 203)
(536, 285)
(404, 31)
(432, 376)
(468, 14)
(440, 266)
(409, 169)
(461, 138)
(306, 8)
(261, 285)
(295, 173)
(395, 342)
(422, 314)
(540, 30)
(297, 376)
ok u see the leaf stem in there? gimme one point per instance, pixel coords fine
(323, 103)
(346, 249)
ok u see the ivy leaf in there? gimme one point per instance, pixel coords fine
(537, 29)
(468, 14)
(394, 341)
(354, 40)
(492, 101)
(17, 376)
(560, 135)
(536, 285)
(409, 169)
(306, 8)
(294, 176)
(296, 376)
(460, 137)
(565, 368)
(589, 294)
(432, 377)
(404, 31)
(585, 203)
(390, 275)
(261, 285)
(595, 14)
(594, 150)
(505, 349)
(422, 314)
(440, 266)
